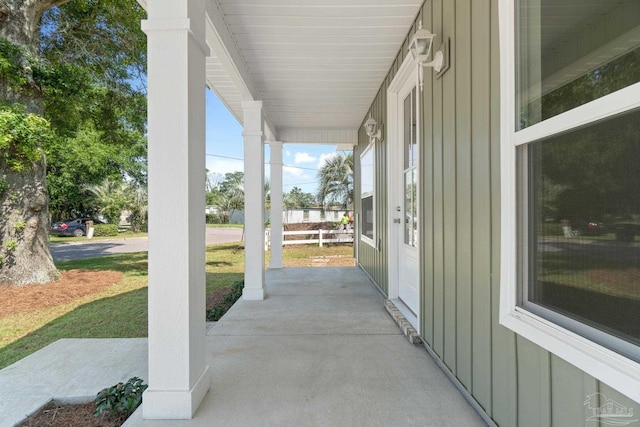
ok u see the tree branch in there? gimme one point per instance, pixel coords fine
(41, 5)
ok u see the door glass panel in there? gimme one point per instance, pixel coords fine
(410, 166)
(408, 134)
(410, 208)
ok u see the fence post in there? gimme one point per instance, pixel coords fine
(320, 237)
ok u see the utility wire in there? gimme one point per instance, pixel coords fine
(238, 158)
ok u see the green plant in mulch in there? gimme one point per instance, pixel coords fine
(120, 398)
(215, 313)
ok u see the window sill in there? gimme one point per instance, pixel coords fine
(603, 364)
(368, 241)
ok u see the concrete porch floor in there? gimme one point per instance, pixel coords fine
(319, 351)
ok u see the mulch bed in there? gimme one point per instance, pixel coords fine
(54, 415)
(73, 284)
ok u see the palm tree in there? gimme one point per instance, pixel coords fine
(336, 180)
(138, 205)
(111, 197)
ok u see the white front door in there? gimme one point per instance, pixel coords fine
(407, 200)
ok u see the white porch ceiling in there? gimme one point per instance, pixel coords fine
(316, 65)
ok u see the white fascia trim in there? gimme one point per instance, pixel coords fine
(223, 46)
(337, 136)
(617, 371)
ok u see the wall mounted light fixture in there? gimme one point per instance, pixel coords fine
(372, 129)
(420, 48)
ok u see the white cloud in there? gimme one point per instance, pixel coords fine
(323, 158)
(223, 166)
(302, 157)
(294, 172)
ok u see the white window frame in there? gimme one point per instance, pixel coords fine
(610, 367)
(372, 194)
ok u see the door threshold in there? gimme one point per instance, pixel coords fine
(399, 312)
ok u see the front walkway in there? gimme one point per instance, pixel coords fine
(319, 351)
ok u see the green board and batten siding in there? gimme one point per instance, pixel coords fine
(516, 382)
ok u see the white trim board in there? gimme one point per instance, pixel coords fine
(408, 70)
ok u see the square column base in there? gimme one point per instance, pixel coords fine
(249, 294)
(175, 405)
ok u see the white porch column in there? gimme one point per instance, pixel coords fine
(253, 133)
(276, 204)
(178, 377)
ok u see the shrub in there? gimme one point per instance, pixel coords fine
(215, 313)
(122, 398)
(105, 230)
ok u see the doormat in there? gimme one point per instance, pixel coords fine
(403, 323)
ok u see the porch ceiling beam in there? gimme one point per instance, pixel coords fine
(342, 137)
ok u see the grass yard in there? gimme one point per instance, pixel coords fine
(118, 309)
(69, 239)
(225, 225)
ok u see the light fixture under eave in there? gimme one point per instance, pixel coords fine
(372, 129)
(420, 48)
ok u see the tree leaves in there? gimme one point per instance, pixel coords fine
(21, 135)
(336, 180)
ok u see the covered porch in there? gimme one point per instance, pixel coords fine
(290, 72)
(321, 350)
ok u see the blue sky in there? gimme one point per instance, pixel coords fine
(225, 150)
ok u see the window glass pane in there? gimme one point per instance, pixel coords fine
(583, 258)
(367, 217)
(366, 172)
(367, 161)
(571, 52)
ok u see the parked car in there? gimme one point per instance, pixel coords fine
(589, 228)
(626, 232)
(75, 227)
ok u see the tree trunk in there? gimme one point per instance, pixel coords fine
(25, 256)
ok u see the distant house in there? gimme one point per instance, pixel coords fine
(300, 215)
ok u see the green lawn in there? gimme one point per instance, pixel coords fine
(225, 225)
(120, 311)
(125, 235)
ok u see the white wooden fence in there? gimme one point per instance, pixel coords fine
(324, 236)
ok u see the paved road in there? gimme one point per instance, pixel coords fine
(96, 248)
